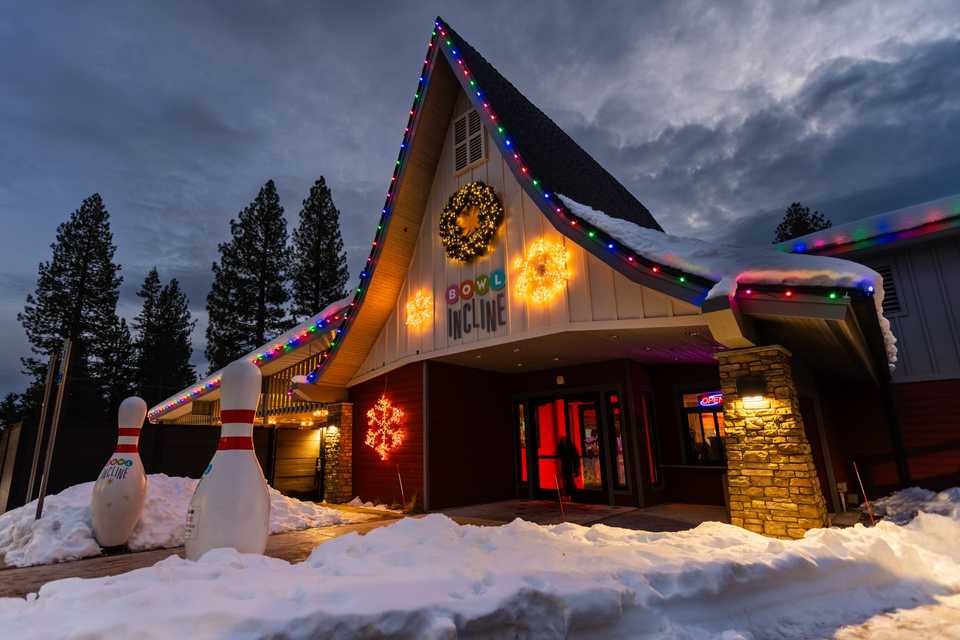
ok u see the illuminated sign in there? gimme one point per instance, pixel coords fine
(476, 310)
(710, 399)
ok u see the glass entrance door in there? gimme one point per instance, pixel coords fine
(568, 435)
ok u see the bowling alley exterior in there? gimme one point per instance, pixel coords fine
(518, 299)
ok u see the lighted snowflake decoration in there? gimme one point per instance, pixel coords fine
(542, 273)
(384, 433)
(419, 310)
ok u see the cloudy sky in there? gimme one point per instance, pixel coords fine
(716, 115)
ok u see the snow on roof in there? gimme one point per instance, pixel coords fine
(210, 383)
(885, 227)
(729, 266)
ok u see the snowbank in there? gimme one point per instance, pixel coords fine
(358, 502)
(731, 266)
(66, 532)
(904, 505)
(432, 578)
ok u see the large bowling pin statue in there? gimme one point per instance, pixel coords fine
(122, 485)
(231, 505)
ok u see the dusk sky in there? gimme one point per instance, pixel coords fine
(715, 115)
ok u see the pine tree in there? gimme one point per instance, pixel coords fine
(114, 364)
(146, 321)
(10, 410)
(163, 344)
(246, 304)
(75, 297)
(145, 324)
(319, 267)
(799, 221)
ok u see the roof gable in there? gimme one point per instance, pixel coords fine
(445, 72)
(559, 161)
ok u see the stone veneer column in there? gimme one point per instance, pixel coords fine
(339, 451)
(772, 480)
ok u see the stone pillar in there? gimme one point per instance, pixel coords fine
(338, 481)
(771, 476)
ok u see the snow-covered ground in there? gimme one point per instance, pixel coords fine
(432, 578)
(358, 502)
(65, 532)
(904, 505)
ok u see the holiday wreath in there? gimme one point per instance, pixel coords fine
(469, 221)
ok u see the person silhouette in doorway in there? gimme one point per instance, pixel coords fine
(569, 459)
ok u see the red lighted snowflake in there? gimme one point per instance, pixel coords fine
(384, 433)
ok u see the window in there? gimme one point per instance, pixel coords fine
(703, 418)
(891, 299)
(467, 141)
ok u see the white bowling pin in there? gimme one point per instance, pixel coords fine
(231, 505)
(122, 485)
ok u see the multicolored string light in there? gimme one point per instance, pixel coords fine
(550, 205)
(260, 359)
(442, 42)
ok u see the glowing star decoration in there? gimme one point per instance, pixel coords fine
(542, 273)
(384, 433)
(420, 310)
(470, 220)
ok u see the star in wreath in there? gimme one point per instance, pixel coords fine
(470, 220)
(384, 433)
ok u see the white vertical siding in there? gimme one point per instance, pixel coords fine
(595, 292)
(927, 327)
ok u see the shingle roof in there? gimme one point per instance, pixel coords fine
(553, 155)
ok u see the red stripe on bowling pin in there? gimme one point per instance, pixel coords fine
(237, 416)
(228, 443)
(128, 435)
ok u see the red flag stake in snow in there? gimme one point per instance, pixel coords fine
(403, 498)
(865, 499)
(556, 480)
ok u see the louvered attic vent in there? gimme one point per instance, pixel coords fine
(467, 141)
(891, 300)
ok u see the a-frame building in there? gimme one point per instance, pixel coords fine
(518, 300)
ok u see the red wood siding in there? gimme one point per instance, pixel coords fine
(854, 415)
(471, 435)
(929, 420)
(376, 479)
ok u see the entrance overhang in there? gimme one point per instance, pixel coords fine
(689, 344)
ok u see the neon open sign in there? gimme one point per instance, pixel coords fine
(710, 399)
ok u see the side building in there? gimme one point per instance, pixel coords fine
(917, 252)
(516, 296)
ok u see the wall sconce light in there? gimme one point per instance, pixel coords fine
(753, 391)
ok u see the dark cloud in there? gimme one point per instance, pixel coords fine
(716, 116)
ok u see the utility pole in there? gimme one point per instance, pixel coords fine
(42, 425)
(57, 408)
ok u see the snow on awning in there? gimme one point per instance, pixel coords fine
(730, 266)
